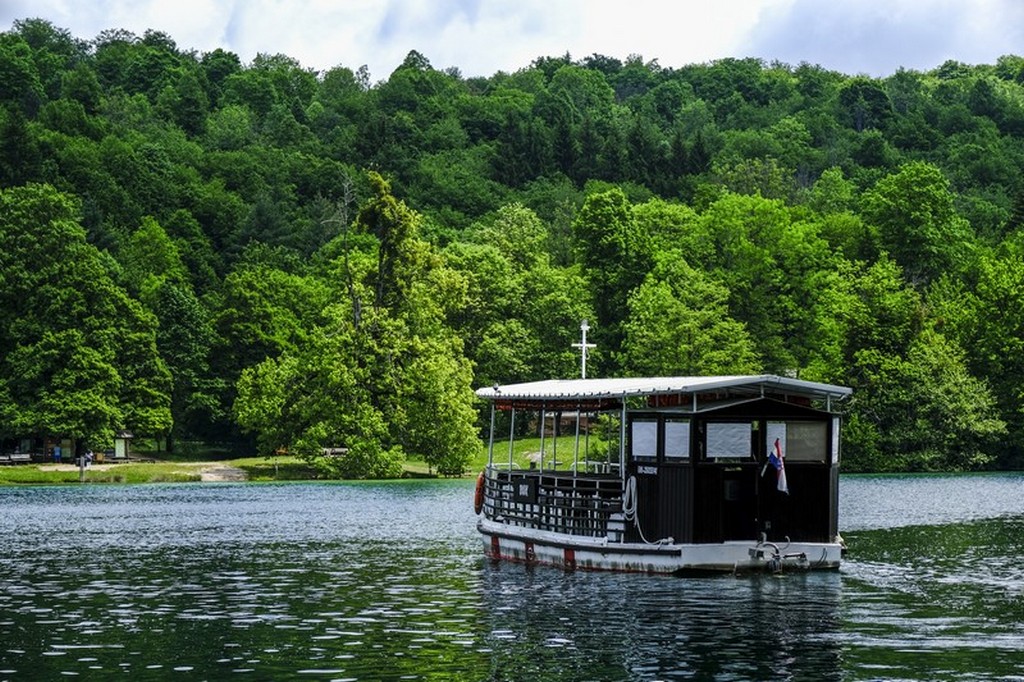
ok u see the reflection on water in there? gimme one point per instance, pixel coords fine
(387, 581)
(612, 627)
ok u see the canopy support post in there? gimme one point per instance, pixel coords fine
(511, 437)
(543, 428)
(490, 440)
(622, 444)
(576, 445)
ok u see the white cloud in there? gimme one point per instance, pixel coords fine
(674, 33)
(880, 36)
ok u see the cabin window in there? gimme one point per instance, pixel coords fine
(808, 441)
(644, 439)
(727, 440)
(800, 441)
(835, 440)
(776, 431)
(677, 439)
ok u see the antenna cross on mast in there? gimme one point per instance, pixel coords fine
(584, 348)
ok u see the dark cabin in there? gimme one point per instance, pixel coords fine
(705, 476)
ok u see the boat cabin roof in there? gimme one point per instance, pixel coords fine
(570, 391)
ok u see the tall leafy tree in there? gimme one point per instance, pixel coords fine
(22, 87)
(185, 339)
(915, 213)
(679, 324)
(389, 383)
(20, 157)
(863, 103)
(155, 274)
(521, 313)
(766, 260)
(921, 412)
(394, 225)
(983, 315)
(615, 256)
(916, 406)
(75, 347)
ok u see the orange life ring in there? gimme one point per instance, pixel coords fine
(478, 498)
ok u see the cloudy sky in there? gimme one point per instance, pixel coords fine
(481, 37)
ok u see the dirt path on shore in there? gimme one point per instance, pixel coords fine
(209, 472)
(74, 467)
(221, 473)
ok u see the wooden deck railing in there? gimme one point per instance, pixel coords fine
(588, 505)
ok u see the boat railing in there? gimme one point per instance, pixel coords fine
(588, 505)
(597, 467)
(501, 465)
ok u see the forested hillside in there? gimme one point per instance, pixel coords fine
(197, 248)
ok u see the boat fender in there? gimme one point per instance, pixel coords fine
(478, 497)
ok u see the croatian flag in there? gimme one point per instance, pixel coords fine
(778, 460)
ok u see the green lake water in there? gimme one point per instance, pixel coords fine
(387, 582)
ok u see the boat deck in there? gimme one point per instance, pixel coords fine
(584, 505)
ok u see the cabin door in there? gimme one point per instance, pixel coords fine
(726, 502)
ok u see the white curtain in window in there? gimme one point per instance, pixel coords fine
(728, 440)
(677, 439)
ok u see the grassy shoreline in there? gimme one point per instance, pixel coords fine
(277, 468)
(255, 468)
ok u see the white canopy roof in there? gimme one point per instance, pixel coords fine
(573, 389)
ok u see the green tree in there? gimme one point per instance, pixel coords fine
(862, 308)
(218, 65)
(674, 226)
(185, 101)
(19, 75)
(394, 225)
(230, 128)
(924, 412)
(149, 258)
(54, 51)
(20, 157)
(155, 273)
(916, 406)
(915, 213)
(982, 313)
(388, 383)
(863, 104)
(521, 314)
(615, 256)
(553, 308)
(519, 235)
(767, 261)
(75, 347)
(184, 339)
(489, 321)
(263, 311)
(834, 197)
(679, 324)
(326, 395)
(573, 96)
(82, 85)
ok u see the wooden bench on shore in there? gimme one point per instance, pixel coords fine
(16, 458)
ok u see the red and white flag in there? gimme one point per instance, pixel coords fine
(778, 460)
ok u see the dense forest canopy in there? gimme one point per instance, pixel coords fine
(197, 248)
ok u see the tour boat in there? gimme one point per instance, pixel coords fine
(664, 474)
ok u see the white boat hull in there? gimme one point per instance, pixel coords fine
(530, 546)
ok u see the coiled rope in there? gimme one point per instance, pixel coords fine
(629, 511)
